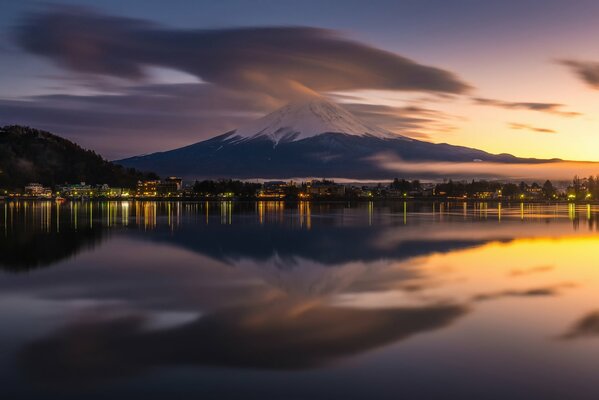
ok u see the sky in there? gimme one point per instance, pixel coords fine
(129, 77)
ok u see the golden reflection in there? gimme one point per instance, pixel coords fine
(534, 275)
(124, 213)
(226, 213)
(305, 216)
(260, 206)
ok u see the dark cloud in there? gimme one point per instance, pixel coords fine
(242, 74)
(519, 126)
(551, 108)
(283, 61)
(588, 71)
(141, 118)
(587, 326)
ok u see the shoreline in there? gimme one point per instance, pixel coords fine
(291, 201)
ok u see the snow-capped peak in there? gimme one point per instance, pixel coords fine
(300, 120)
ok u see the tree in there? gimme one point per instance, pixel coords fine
(548, 189)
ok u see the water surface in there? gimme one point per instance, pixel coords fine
(298, 301)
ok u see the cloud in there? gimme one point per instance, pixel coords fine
(412, 121)
(240, 74)
(282, 61)
(141, 118)
(519, 126)
(539, 169)
(551, 108)
(587, 71)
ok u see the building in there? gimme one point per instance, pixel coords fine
(173, 180)
(276, 189)
(147, 188)
(325, 188)
(75, 190)
(107, 191)
(171, 186)
(37, 190)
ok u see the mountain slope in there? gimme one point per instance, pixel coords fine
(312, 139)
(30, 155)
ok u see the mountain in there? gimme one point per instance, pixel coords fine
(314, 138)
(30, 155)
(302, 120)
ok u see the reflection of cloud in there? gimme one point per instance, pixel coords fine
(273, 337)
(534, 270)
(535, 169)
(534, 292)
(587, 326)
(551, 108)
(587, 71)
(519, 126)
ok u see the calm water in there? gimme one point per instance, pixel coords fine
(298, 301)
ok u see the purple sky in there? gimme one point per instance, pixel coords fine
(131, 77)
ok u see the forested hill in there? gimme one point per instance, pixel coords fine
(30, 155)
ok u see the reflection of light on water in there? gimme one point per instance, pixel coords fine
(125, 213)
(51, 217)
(305, 216)
(260, 206)
(226, 213)
(572, 211)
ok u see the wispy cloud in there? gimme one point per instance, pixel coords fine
(141, 118)
(551, 108)
(520, 126)
(587, 71)
(548, 169)
(413, 121)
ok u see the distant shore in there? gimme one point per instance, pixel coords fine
(314, 200)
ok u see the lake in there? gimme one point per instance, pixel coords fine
(273, 300)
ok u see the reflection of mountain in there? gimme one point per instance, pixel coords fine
(329, 245)
(273, 337)
(23, 250)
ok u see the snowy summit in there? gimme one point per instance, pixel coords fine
(301, 120)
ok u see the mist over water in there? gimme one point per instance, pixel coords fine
(298, 300)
